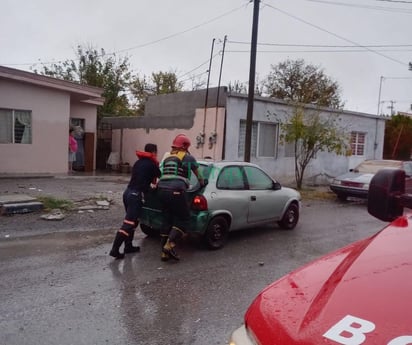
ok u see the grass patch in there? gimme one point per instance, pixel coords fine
(50, 203)
(317, 194)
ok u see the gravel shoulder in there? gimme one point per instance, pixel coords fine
(81, 191)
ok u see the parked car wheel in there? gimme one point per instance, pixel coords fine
(149, 231)
(217, 233)
(290, 217)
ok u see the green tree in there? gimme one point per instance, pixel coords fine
(295, 81)
(157, 84)
(96, 68)
(311, 133)
(398, 138)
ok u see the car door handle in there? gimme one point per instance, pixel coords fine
(253, 198)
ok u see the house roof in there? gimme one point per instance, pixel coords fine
(306, 106)
(83, 93)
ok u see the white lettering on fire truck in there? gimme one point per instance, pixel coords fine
(352, 330)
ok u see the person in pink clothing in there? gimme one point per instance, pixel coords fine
(72, 149)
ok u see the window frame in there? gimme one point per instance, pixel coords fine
(355, 143)
(228, 187)
(257, 136)
(13, 126)
(249, 171)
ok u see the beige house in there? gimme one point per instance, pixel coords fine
(35, 116)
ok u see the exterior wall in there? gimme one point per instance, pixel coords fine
(135, 138)
(325, 165)
(50, 126)
(182, 104)
(86, 112)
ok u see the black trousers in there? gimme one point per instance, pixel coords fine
(133, 203)
(176, 209)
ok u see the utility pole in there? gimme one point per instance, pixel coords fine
(252, 72)
(392, 108)
(202, 134)
(379, 97)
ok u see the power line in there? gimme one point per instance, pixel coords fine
(320, 51)
(399, 1)
(323, 45)
(202, 64)
(336, 35)
(184, 31)
(379, 8)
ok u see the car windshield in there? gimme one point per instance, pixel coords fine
(374, 166)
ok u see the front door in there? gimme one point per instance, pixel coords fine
(262, 205)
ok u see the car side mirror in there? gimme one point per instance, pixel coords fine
(276, 185)
(384, 195)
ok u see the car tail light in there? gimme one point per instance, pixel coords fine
(199, 203)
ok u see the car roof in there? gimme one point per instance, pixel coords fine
(224, 163)
(373, 165)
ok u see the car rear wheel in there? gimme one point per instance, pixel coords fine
(290, 217)
(149, 231)
(217, 233)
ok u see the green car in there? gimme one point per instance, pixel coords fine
(237, 195)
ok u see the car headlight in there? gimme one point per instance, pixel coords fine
(336, 182)
(242, 336)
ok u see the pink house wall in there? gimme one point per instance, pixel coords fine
(135, 139)
(86, 112)
(50, 126)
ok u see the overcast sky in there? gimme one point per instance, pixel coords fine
(357, 41)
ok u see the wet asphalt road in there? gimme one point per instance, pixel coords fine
(63, 288)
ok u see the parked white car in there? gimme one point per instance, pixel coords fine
(356, 182)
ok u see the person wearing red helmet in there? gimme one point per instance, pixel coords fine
(173, 183)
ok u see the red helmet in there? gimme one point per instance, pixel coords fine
(181, 142)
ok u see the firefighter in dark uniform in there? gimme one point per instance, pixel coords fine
(173, 183)
(144, 172)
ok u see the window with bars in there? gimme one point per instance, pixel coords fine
(15, 126)
(358, 142)
(264, 139)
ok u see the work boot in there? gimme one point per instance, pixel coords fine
(118, 241)
(128, 246)
(169, 250)
(164, 256)
(163, 240)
